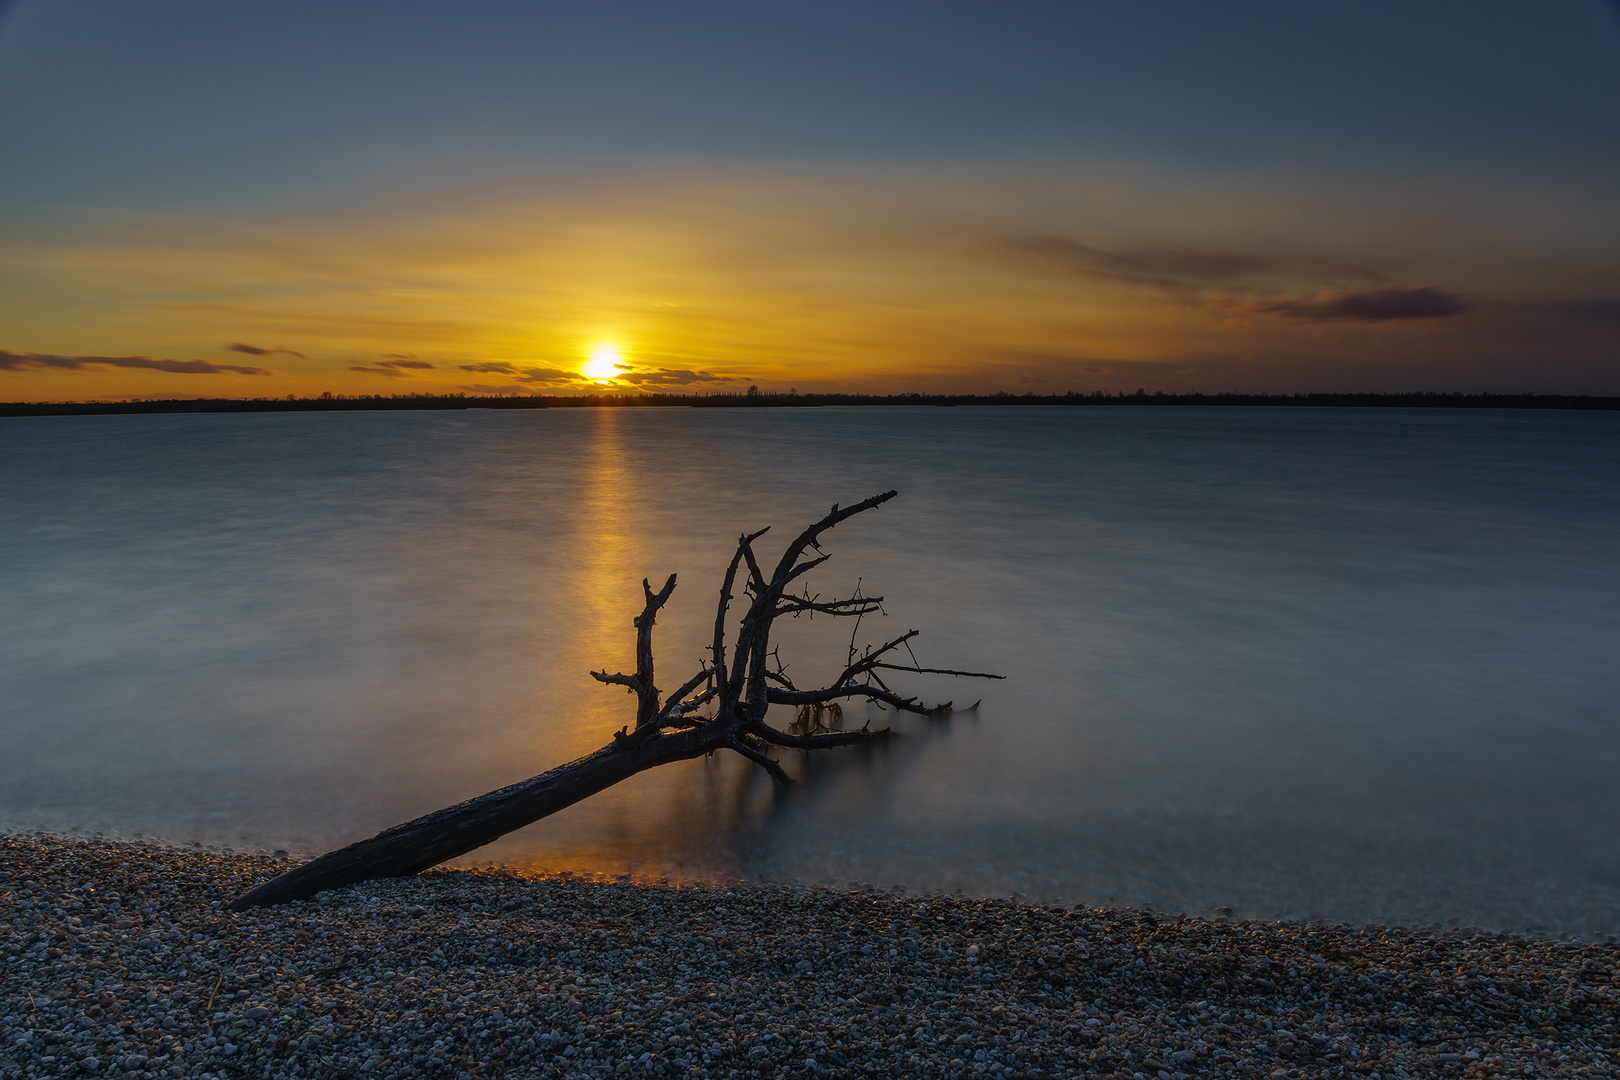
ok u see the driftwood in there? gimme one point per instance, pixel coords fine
(741, 685)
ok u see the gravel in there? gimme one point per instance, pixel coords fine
(116, 959)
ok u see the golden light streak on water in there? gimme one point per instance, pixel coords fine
(660, 824)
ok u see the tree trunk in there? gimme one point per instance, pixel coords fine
(444, 834)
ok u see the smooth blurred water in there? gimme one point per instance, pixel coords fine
(1356, 664)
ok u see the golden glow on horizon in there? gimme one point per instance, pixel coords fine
(604, 363)
(714, 283)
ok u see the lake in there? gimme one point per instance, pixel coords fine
(1351, 664)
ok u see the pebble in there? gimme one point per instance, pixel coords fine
(116, 959)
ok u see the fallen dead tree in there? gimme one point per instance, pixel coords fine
(741, 684)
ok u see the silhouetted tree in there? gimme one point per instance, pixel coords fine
(741, 680)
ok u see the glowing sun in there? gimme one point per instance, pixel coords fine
(604, 363)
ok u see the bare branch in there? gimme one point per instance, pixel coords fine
(719, 647)
(618, 679)
(809, 537)
(646, 690)
(940, 671)
(758, 758)
(745, 650)
(867, 662)
(866, 690)
(758, 575)
(822, 741)
(778, 674)
(855, 605)
(679, 723)
(698, 702)
(677, 705)
(856, 629)
(753, 636)
(804, 568)
(656, 600)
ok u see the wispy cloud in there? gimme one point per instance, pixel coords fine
(396, 366)
(1378, 305)
(672, 377)
(13, 361)
(257, 350)
(535, 376)
(1175, 268)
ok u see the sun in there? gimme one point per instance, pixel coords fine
(604, 363)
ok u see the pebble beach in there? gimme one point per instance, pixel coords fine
(117, 959)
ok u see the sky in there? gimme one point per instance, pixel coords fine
(226, 199)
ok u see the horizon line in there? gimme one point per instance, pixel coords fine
(755, 398)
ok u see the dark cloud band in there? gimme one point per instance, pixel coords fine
(12, 361)
(1176, 268)
(1378, 305)
(257, 350)
(537, 377)
(396, 366)
(671, 377)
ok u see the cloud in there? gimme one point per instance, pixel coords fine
(537, 376)
(672, 377)
(1378, 305)
(255, 350)
(396, 366)
(11, 361)
(1174, 267)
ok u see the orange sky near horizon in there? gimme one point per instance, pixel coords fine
(876, 281)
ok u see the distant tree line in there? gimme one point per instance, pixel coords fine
(754, 398)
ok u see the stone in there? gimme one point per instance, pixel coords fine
(687, 981)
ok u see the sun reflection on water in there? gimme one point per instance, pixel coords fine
(677, 821)
(704, 820)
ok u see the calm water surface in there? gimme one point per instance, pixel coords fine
(1339, 663)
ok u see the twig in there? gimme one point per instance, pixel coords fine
(217, 983)
(940, 671)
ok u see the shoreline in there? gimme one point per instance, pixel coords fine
(116, 959)
(630, 399)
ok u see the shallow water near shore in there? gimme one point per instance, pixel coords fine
(1355, 664)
